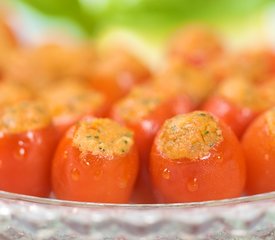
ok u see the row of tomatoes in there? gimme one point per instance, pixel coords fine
(185, 156)
(73, 84)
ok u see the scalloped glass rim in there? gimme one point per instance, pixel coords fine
(56, 202)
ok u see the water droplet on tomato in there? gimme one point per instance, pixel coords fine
(75, 174)
(219, 158)
(85, 160)
(193, 185)
(21, 151)
(65, 155)
(166, 173)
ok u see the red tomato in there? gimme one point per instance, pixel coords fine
(238, 118)
(237, 102)
(259, 147)
(195, 157)
(26, 147)
(185, 80)
(96, 161)
(117, 73)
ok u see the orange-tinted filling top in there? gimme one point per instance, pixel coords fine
(139, 103)
(103, 137)
(24, 116)
(71, 99)
(241, 92)
(190, 136)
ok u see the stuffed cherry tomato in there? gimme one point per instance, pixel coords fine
(184, 80)
(196, 157)
(237, 102)
(143, 110)
(27, 141)
(115, 74)
(259, 148)
(68, 102)
(96, 161)
(196, 45)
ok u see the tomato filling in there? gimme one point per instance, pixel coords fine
(139, 103)
(24, 116)
(12, 93)
(189, 136)
(241, 92)
(71, 99)
(102, 137)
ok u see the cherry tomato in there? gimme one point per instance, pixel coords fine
(196, 157)
(68, 102)
(115, 74)
(27, 141)
(96, 161)
(185, 80)
(259, 147)
(196, 45)
(237, 102)
(144, 110)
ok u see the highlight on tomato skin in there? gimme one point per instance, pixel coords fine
(237, 102)
(96, 161)
(116, 73)
(27, 142)
(196, 157)
(259, 148)
(69, 101)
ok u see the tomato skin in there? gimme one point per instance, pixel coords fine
(217, 176)
(92, 178)
(180, 104)
(259, 150)
(236, 117)
(26, 162)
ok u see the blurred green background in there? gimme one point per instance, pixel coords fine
(152, 16)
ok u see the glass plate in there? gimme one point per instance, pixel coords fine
(25, 217)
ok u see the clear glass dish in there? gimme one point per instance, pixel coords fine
(24, 217)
